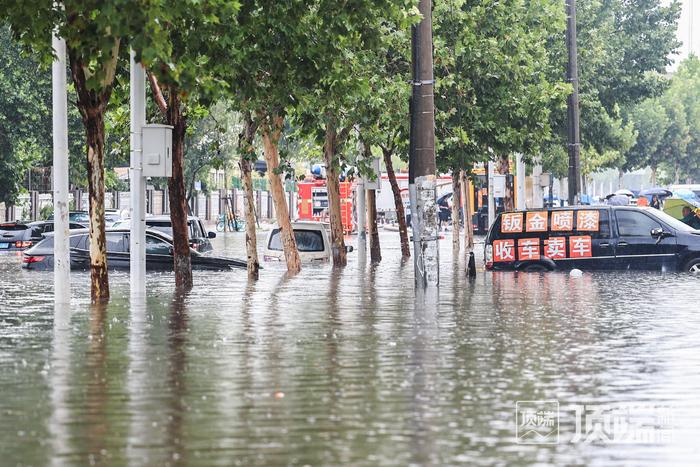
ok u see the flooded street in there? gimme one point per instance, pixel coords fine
(346, 367)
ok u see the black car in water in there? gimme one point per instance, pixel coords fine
(159, 253)
(18, 236)
(592, 237)
(198, 236)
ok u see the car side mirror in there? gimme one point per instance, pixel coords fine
(211, 234)
(659, 234)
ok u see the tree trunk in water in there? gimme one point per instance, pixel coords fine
(270, 136)
(398, 204)
(92, 105)
(375, 252)
(178, 197)
(456, 196)
(467, 210)
(95, 130)
(245, 144)
(504, 169)
(333, 186)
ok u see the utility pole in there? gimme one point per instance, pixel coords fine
(61, 242)
(572, 104)
(421, 177)
(137, 237)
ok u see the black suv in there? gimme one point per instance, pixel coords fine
(592, 237)
(199, 237)
(20, 235)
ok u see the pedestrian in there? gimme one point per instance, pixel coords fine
(642, 201)
(690, 217)
(655, 202)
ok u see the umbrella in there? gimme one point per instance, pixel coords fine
(624, 192)
(656, 191)
(618, 200)
(674, 206)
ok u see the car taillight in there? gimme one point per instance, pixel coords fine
(32, 259)
(25, 244)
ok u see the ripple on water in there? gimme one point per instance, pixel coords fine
(333, 367)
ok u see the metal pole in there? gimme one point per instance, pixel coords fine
(137, 239)
(423, 176)
(520, 182)
(361, 211)
(573, 106)
(61, 243)
(491, 201)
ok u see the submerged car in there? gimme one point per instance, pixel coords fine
(592, 237)
(313, 242)
(159, 253)
(199, 238)
(18, 236)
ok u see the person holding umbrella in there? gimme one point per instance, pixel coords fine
(690, 217)
(657, 195)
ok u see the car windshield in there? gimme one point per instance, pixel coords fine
(307, 240)
(167, 228)
(79, 217)
(669, 220)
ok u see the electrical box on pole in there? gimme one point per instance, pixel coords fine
(157, 144)
(375, 184)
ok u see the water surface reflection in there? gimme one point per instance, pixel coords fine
(332, 367)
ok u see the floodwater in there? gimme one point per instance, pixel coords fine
(352, 367)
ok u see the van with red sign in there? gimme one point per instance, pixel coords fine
(592, 238)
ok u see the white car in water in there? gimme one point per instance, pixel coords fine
(313, 242)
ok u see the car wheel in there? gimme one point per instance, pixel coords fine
(534, 268)
(693, 266)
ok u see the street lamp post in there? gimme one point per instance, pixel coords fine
(61, 246)
(137, 237)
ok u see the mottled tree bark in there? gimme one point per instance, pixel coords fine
(271, 131)
(398, 203)
(333, 187)
(245, 144)
(375, 252)
(456, 196)
(177, 195)
(92, 105)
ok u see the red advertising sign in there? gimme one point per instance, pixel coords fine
(562, 221)
(512, 222)
(555, 248)
(588, 221)
(503, 250)
(580, 247)
(536, 221)
(529, 249)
